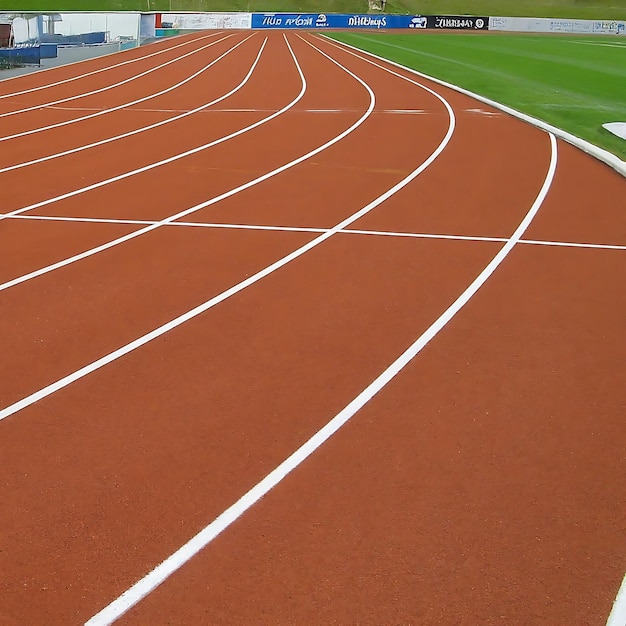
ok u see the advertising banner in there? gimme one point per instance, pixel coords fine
(546, 25)
(457, 22)
(347, 21)
(342, 21)
(208, 21)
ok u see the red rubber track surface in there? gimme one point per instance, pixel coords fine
(484, 484)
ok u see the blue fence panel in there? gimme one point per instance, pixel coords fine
(26, 55)
(48, 51)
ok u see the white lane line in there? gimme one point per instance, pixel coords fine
(617, 616)
(171, 218)
(176, 157)
(152, 226)
(84, 371)
(100, 90)
(307, 229)
(164, 570)
(573, 244)
(151, 126)
(104, 69)
(599, 153)
(188, 211)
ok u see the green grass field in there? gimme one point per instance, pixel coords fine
(585, 9)
(574, 83)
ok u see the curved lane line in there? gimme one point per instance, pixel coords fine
(205, 306)
(153, 225)
(171, 159)
(171, 218)
(601, 154)
(91, 93)
(104, 69)
(143, 128)
(157, 576)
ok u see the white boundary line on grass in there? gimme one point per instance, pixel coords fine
(164, 570)
(599, 153)
(307, 229)
(104, 69)
(108, 87)
(56, 155)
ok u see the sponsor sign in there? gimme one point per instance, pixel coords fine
(546, 25)
(349, 21)
(457, 22)
(203, 21)
(609, 27)
(322, 20)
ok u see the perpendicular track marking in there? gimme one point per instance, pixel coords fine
(309, 229)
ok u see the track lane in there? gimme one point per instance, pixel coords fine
(160, 186)
(63, 74)
(128, 160)
(271, 319)
(398, 263)
(82, 122)
(480, 478)
(15, 103)
(589, 213)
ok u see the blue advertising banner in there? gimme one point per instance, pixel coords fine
(335, 20)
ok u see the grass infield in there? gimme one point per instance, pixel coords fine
(574, 83)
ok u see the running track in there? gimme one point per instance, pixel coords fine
(333, 257)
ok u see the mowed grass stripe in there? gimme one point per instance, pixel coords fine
(574, 87)
(581, 9)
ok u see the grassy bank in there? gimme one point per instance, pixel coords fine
(574, 83)
(584, 9)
